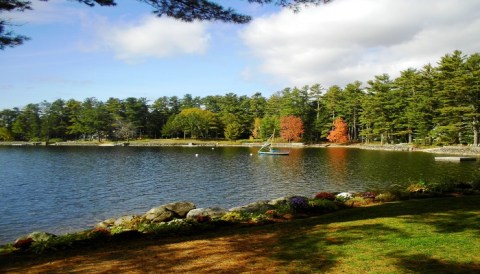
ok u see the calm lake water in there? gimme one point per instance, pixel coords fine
(66, 189)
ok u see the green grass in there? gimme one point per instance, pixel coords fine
(438, 235)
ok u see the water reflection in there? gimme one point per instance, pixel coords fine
(337, 165)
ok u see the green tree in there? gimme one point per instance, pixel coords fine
(159, 114)
(257, 122)
(136, 113)
(268, 125)
(7, 118)
(378, 109)
(27, 126)
(54, 120)
(457, 115)
(334, 102)
(194, 121)
(233, 130)
(5, 134)
(472, 82)
(353, 96)
(72, 111)
(92, 120)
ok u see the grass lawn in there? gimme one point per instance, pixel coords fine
(439, 235)
(418, 236)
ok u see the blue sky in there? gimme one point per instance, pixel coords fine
(79, 52)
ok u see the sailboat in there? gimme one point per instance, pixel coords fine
(267, 148)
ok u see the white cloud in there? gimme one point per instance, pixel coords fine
(153, 37)
(350, 40)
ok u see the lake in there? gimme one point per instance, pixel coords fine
(66, 189)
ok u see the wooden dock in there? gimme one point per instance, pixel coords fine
(455, 159)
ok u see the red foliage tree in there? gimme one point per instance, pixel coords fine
(291, 128)
(339, 133)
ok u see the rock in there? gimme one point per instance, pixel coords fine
(125, 221)
(181, 209)
(23, 243)
(38, 236)
(211, 212)
(106, 224)
(167, 212)
(278, 201)
(158, 215)
(260, 206)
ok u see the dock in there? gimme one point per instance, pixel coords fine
(455, 159)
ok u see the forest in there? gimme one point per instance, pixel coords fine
(436, 104)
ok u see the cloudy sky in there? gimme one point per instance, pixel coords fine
(77, 52)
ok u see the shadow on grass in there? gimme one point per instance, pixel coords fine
(452, 214)
(310, 250)
(425, 264)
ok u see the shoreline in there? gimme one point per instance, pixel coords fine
(451, 150)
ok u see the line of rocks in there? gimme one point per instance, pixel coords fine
(164, 214)
(183, 210)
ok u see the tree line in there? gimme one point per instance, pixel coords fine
(434, 104)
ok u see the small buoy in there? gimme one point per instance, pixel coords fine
(196, 155)
(213, 148)
(251, 154)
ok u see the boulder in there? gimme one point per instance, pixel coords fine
(260, 206)
(211, 212)
(38, 236)
(167, 212)
(125, 221)
(279, 201)
(106, 224)
(181, 209)
(23, 243)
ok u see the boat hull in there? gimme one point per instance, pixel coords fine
(274, 152)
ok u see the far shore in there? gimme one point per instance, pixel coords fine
(453, 150)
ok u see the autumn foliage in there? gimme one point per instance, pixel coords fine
(291, 128)
(339, 133)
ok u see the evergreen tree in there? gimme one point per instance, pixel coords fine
(27, 125)
(353, 95)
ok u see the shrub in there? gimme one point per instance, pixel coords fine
(357, 201)
(98, 233)
(369, 195)
(283, 208)
(420, 187)
(344, 196)
(325, 196)
(271, 213)
(386, 197)
(322, 206)
(202, 219)
(299, 204)
(234, 217)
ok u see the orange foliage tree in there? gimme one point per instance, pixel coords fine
(339, 133)
(291, 128)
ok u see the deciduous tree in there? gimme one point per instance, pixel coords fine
(291, 128)
(339, 133)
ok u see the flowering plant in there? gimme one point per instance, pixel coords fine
(371, 195)
(344, 196)
(325, 196)
(299, 204)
